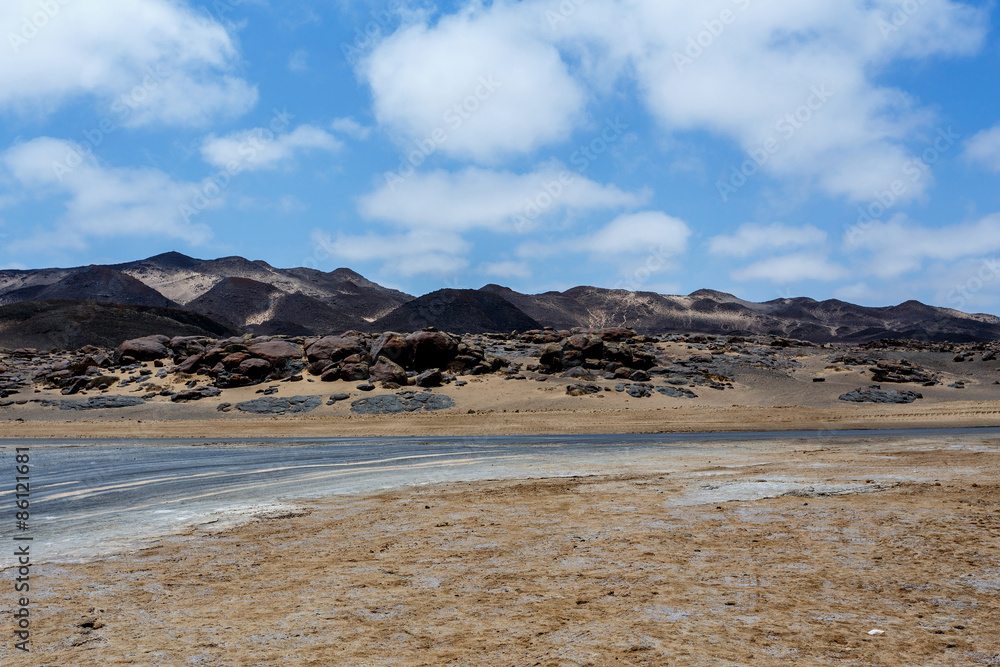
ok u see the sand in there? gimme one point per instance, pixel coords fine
(689, 564)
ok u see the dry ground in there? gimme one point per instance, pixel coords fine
(636, 567)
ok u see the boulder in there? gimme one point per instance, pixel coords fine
(146, 348)
(429, 378)
(254, 368)
(551, 356)
(393, 346)
(185, 346)
(588, 345)
(190, 364)
(582, 389)
(387, 371)
(235, 359)
(276, 351)
(354, 372)
(335, 348)
(195, 394)
(431, 349)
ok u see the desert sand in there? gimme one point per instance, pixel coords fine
(779, 553)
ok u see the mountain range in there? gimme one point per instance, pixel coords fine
(174, 294)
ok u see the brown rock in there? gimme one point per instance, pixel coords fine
(276, 351)
(387, 371)
(335, 348)
(147, 348)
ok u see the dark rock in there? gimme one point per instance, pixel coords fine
(385, 370)
(195, 394)
(578, 373)
(276, 351)
(639, 376)
(146, 348)
(339, 397)
(334, 348)
(880, 396)
(235, 359)
(582, 389)
(190, 364)
(819, 379)
(365, 387)
(224, 407)
(429, 378)
(354, 372)
(393, 346)
(331, 374)
(254, 368)
(676, 392)
(273, 405)
(432, 349)
(388, 404)
(102, 402)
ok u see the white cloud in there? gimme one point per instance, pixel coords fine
(751, 239)
(792, 268)
(770, 62)
(637, 234)
(351, 128)
(506, 269)
(483, 76)
(802, 79)
(900, 245)
(260, 148)
(145, 61)
(100, 202)
(984, 148)
(482, 198)
(405, 254)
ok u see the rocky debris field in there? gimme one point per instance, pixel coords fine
(186, 369)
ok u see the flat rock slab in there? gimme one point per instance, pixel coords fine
(392, 404)
(102, 402)
(676, 392)
(880, 396)
(273, 405)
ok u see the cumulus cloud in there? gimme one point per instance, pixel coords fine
(145, 61)
(99, 202)
(901, 246)
(483, 76)
(751, 239)
(638, 233)
(260, 148)
(799, 83)
(792, 268)
(984, 148)
(483, 198)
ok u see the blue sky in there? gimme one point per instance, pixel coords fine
(834, 149)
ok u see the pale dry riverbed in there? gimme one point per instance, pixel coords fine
(722, 553)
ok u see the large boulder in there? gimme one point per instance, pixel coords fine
(186, 346)
(278, 352)
(254, 368)
(147, 348)
(393, 346)
(387, 371)
(588, 345)
(432, 349)
(335, 348)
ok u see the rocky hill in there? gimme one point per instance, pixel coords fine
(170, 293)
